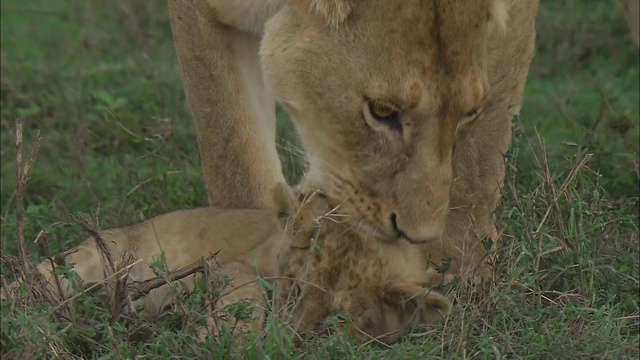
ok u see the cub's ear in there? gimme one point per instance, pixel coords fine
(301, 226)
(283, 200)
(430, 304)
(434, 307)
(333, 12)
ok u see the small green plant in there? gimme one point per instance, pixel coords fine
(107, 102)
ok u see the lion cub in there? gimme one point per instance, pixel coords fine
(385, 287)
(245, 243)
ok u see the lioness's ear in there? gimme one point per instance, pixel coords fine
(283, 199)
(334, 12)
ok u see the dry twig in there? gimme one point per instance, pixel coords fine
(116, 285)
(22, 177)
(139, 289)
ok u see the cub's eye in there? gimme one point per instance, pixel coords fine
(385, 114)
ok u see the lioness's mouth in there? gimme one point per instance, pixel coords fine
(403, 235)
(417, 242)
(368, 229)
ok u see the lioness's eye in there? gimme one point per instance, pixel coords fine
(380, 111)
(472, 114)
(386, 115)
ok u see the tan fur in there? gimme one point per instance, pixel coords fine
(385, 287)
(434, 61)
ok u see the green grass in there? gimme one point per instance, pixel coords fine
(100, 80)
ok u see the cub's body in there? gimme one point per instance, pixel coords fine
(244, 241)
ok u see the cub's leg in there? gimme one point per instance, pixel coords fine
(234, 116)
(86, 264)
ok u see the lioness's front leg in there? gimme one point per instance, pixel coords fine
(478, 162)
(631, 13)
(233, 115)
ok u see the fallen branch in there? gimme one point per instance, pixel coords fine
(97, 285)
(116, 286)
(139, 289)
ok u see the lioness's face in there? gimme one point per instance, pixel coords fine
(378, 100)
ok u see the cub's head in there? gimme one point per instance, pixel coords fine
(385, 314)
(314, 257)
(378, 91)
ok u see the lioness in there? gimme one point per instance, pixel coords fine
(249, 243)
(385, 287)
(403, 107)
